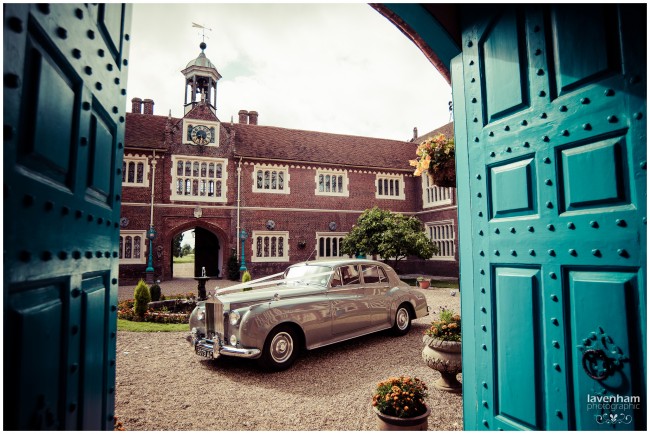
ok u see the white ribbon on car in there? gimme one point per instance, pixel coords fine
(263, 282)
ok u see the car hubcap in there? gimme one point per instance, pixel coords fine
(281, 347)
(402, 318)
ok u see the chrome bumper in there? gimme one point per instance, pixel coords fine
(208, 346)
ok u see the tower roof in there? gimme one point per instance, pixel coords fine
(202, 60)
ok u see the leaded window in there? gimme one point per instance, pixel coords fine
(199, 178)
(270, 179)
(132, 247)
(389, 187)
(270, 246)
(134, 171)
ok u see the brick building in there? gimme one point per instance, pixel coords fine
(295, 193)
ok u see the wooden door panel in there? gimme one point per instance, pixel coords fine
(517, 301)
(65, 91)
(513, 188)
(555, 199)
(611, 330)
(502, 59)
(579, 189)
(585, 45)
(36, 313)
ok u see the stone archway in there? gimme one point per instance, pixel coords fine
(210, 245)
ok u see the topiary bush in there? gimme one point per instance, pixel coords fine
(142, 298)
(155, 292)
(246, 277)
(233, 267)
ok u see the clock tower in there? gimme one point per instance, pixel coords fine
(201, 78)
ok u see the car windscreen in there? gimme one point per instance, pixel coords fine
(308, 275)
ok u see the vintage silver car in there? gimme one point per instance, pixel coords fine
(310, 305)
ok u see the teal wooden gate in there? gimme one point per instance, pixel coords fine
(550, 114)
(65, 69)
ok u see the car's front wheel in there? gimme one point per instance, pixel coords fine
(280, 349)
(402, 320)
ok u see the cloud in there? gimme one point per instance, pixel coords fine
(340, 68)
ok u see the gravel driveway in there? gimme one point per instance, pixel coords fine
(162, 385)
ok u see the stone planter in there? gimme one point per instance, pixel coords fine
(444, 357)
(392, 423)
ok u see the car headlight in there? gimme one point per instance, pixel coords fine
(234, 317)
(233, 340)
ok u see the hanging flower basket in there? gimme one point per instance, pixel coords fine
(436, 158)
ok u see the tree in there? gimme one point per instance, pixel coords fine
(389, 235)
(186, 249)
(176, 244)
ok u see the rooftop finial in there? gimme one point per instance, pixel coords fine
(203, 28)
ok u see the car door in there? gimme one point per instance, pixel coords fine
(350, 311)
(376, 286)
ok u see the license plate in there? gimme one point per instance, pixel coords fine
(204, 353)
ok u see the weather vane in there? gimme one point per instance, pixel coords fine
(203, 28)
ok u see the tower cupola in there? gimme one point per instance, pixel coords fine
(201, 78)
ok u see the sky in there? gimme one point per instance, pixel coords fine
(336, 68)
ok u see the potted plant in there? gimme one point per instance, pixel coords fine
(399, 404)
(442, 345)
(436, 157)
(423, 282)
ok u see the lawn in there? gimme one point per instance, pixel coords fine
(185, 259)
(134, 326)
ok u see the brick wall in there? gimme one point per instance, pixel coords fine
(302, 213)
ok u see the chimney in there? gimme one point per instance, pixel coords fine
(148, 106)
(136, 105)
(415, 133)
(243, 117)
(252, 118)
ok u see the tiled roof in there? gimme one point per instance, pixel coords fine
(266, 142)
(145, 131)
(447, 130)
(312, 146)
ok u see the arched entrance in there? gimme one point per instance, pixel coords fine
(206, 247)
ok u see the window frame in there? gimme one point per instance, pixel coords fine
(429, 228)
(135, 159)
(431, 191)
(174, 196)
(271, 168)
(388, 179)
(381, 274)
(270, 234)
(339, 235)
(345, 191)
(143, 247)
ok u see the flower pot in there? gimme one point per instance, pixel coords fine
(424, 284)
(392, 423)
(444, 175)
(444, 357)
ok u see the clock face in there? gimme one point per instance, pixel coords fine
(201, 135)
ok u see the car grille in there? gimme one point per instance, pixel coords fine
(214, 318)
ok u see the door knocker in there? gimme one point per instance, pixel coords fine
(596, 364)
(600, 356)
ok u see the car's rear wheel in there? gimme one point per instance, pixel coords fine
(403, 319)
(280, 349)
